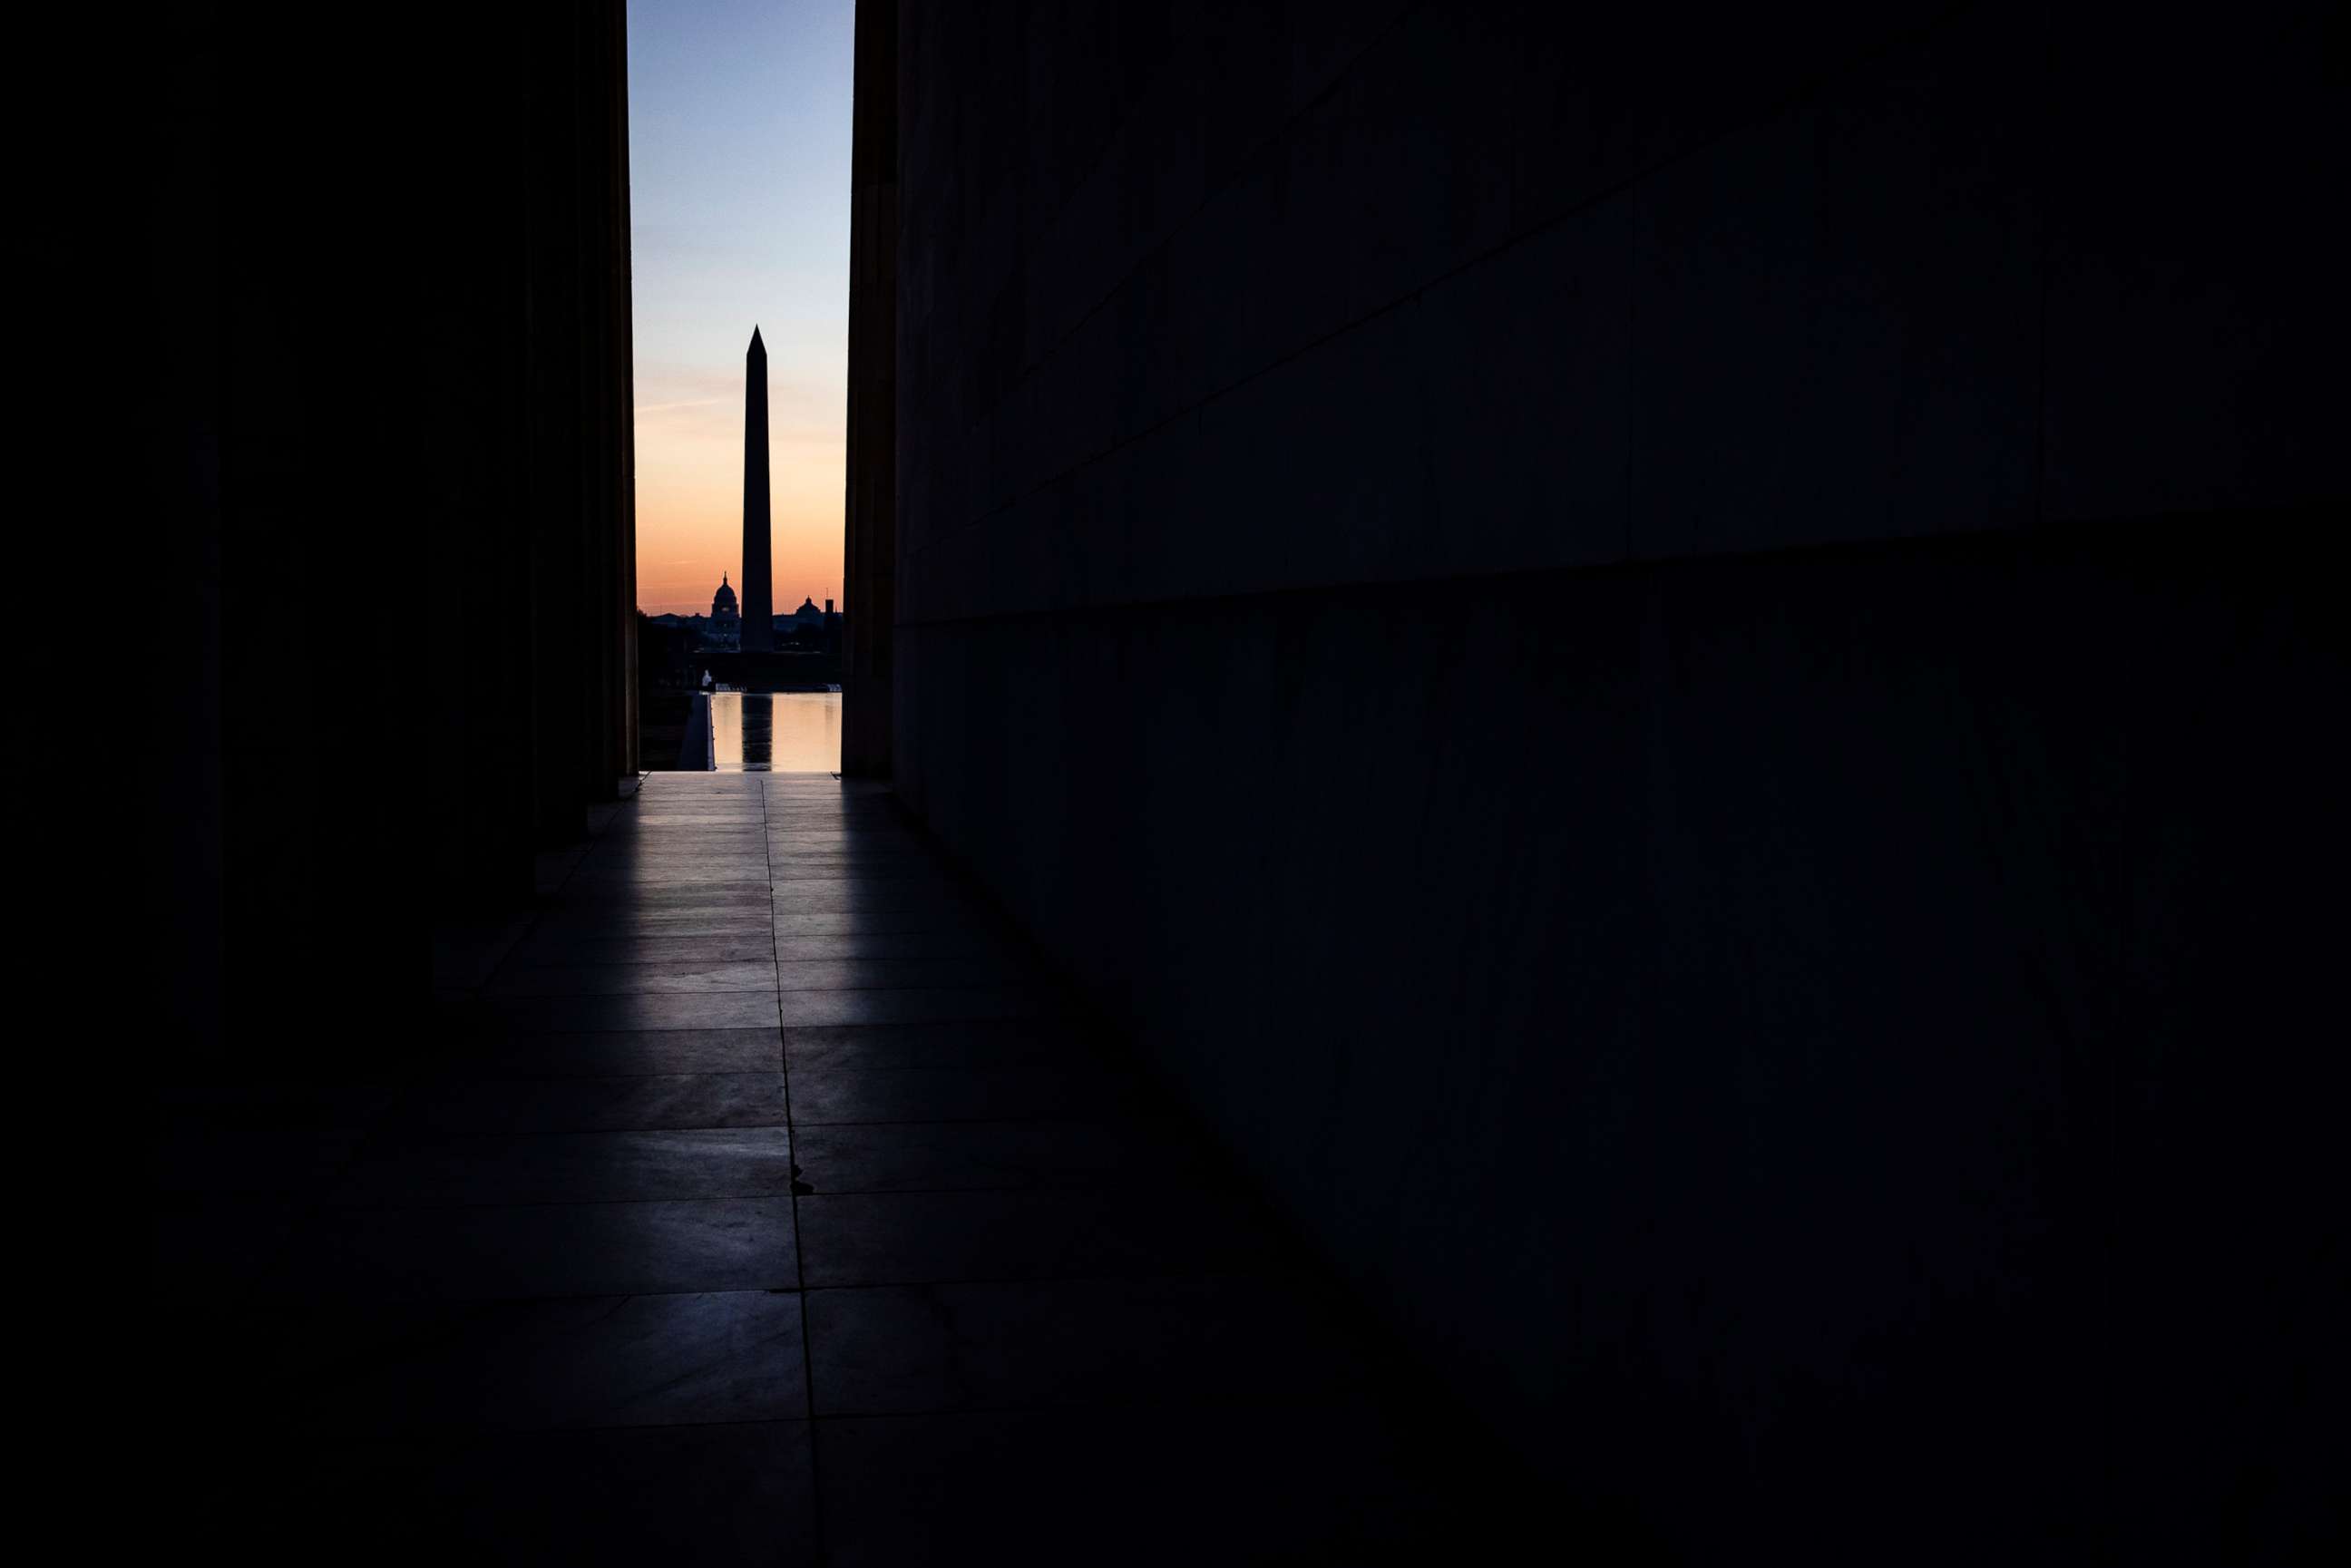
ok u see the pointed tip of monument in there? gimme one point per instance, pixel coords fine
(755, 336)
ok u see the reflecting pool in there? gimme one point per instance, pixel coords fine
(775, 732)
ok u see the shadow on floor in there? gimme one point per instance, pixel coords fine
(764, 1199)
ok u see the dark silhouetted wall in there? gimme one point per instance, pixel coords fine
(1672, 657)
(871, 552)
(382, 381)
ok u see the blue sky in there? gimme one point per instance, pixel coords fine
(739, 168)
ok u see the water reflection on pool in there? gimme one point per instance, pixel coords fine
(778, 732)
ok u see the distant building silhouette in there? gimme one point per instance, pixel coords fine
(726, 628)
(806, 630)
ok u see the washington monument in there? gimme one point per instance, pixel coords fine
(759, 577)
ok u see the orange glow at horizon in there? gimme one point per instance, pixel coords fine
(690, 482)
(739, 178)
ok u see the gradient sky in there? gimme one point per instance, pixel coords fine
(738, 192)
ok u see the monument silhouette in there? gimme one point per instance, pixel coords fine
(759, 591)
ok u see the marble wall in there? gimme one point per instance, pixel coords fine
(1673, 662)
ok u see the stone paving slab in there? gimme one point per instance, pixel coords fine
(764, 1173)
